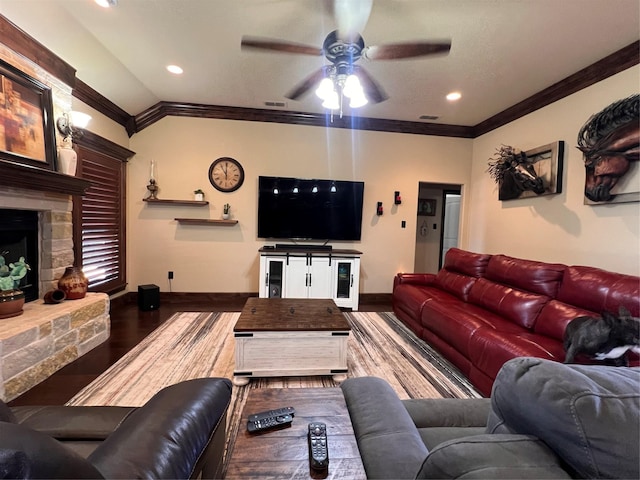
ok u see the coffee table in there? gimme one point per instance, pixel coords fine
(277, 337)
(284, 453)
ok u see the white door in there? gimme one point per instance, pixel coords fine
(451, 222)
(320, 278)
(297, 278)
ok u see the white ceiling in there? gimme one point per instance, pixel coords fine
(503, 51)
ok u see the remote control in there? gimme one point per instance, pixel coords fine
(272, 413)
(318, 448)
(269, 423)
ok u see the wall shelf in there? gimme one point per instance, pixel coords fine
(206, 221)
(190, 203)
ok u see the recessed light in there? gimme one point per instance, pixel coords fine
(107, 3)
(453, 96)
(175, 69)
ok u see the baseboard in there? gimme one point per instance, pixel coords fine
(189, 297)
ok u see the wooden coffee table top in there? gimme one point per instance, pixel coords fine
(290, 314)
(285, 453)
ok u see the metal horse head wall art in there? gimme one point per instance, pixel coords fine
(513, 171)
(610, 141)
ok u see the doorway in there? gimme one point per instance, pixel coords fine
(437, 226)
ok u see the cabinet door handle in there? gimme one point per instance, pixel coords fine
(266, 279)
(309, 279)
(351, 280)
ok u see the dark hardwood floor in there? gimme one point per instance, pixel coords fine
(129, 325)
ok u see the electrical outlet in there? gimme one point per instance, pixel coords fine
(170, 275)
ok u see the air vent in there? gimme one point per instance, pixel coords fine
(275, 104)
(429, 117)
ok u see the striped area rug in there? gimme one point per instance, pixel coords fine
(195, 345)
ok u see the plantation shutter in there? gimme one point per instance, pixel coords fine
(99, 221)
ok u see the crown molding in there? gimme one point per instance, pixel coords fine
(617, 62)
(20, 42)
(163, 109)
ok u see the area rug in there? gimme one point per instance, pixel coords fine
(195, 345)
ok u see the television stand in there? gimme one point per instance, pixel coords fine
(294, 271)
(295, 246)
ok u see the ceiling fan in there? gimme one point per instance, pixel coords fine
(343, 48)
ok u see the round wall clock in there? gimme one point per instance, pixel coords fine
(226, 174)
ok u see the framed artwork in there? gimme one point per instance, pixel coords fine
(426, 207)
(532, 173)
(27, 134)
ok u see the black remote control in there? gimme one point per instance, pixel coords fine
(272, 413)
(269, 423)
(318, 448)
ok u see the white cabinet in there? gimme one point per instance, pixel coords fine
(299, 273)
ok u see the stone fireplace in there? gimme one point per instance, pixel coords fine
(45, 338)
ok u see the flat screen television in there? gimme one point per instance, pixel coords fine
(309, 209)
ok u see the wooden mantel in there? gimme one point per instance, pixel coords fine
(26, 176)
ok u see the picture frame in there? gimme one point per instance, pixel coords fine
(27, 131)
(548, 164)
(427, 207)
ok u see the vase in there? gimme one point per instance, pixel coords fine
(199, 197)
(225, 216)
(67, 159)
(11, 303)
(73, 283)
(54, 296)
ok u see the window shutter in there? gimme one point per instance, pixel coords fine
(99, 235)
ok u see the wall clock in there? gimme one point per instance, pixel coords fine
(226, 174)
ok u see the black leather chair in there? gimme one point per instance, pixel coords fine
(178, 433)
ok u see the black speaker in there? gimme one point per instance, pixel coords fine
(148, 297)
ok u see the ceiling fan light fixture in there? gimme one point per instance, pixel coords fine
(352, 87)
(358, 101)
(325, 89)
(107, 3)
(332, 102)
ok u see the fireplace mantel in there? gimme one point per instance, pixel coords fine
(30, 177)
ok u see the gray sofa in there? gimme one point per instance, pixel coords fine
(544, 420)
(178, 433)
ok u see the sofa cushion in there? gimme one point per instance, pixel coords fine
(588, 415)
(518, 306)
(598, 290)
(538, 277)
(555, 316)
(492, 456)
(464, 262)
(455, 283)
(27, 453)
(388, 440)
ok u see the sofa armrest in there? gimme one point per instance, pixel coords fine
(389, 443)
(72, 423)
(414, 278)
(493, 456)
(169, 436)
(448, 412)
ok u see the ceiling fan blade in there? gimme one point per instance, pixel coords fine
(307, 84)
(373, 91)
(351, 17)
(406, 50)
(279, 45)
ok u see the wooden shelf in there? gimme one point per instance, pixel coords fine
(191, 203)
(206, 221)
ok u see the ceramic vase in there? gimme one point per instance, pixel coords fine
(11, 303)
(199, 197)
(73, 283)
(225, 216)
(67, 159)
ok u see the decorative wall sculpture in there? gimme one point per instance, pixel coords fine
(610, 143)
(532, 173)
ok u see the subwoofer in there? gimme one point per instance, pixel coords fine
(148, 297)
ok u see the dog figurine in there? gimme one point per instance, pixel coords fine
(607, 338)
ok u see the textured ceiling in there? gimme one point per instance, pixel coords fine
(503, 51)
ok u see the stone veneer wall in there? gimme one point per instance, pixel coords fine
(45, 338)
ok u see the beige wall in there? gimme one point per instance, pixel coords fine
(225, 259)
(556, 228)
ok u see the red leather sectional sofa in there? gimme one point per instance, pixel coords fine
(481, 310)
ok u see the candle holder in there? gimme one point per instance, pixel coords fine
(153, 189)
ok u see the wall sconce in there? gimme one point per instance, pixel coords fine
(71, 124)
(379, 209)
(397, 199)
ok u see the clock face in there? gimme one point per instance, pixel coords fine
(226, 174)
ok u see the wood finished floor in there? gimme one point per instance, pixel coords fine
(129, 326)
